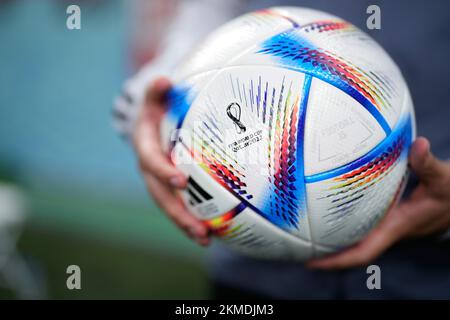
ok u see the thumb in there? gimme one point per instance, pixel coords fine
(156, 94)
(425, 165)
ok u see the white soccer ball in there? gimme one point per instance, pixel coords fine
(293, 127)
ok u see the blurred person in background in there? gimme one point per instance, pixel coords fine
(410, 244)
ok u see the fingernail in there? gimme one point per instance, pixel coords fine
(177, 182)
(191, 233)
(202, 241)
(200, 231)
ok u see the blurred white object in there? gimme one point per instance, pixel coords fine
(12, 206)
(14, 271)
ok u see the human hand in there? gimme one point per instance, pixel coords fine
(161, 177)
(426, 212)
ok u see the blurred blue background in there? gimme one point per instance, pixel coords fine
(86, 204)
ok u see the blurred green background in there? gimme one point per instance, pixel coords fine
(86, 204)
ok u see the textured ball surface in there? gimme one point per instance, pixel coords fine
(293, 127)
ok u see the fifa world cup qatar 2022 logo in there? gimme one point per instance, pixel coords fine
(234, 113)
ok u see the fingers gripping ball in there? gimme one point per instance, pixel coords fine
(293, 127)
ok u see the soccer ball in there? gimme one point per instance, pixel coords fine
(293, 127)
